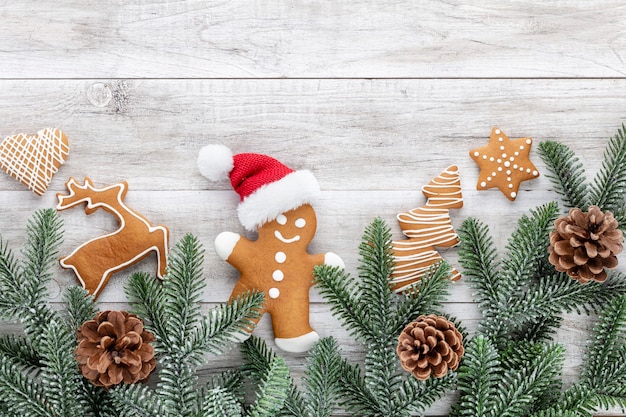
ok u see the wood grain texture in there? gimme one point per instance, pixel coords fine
(317, 39)
(374, 97)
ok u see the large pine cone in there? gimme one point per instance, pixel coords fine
(584, 244)
(430, 345)
(115, 348)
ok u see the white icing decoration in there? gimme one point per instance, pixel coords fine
(300, 223)
(278, 275)
(297, 344)
(513, 194)
(280, 257)
(33, 160)
(273, 292)
(283, 239)
(281, 219)
(483, 184)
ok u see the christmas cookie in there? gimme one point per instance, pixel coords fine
(96, 260)
(504, 163)
(33, 160)
(427, 227)
(275, 200)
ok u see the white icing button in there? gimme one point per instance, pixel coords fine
(488, 178)
(300, 223)
(280, 257)
(502, 148)
(497, 131)
(278, 275)
(510, 185)
(273, 292)
(476, 153)
(483, 184)
(492, 159)
(500, 138)
(507, 164)
(528, 141)
(535, 173)
(281, 219)
(513, 194)
(484, 156)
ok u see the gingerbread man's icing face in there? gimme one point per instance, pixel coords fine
(295, 228)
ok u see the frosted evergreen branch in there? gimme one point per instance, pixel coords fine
(182, 288)
(477, 255)
(416, 396)
(566, 173)
(147, 300)
(80, 307)
(479, 377)
(219, 402)
(425, 297)
(230, 380)
(137, 401)
(344, 296)
(60, 378)
(21, 395)
(273, 392)
(381, 373)
(355, 396)
(609, 186)
(601, 367)
(21, 351)
(11, 277)
(177, 387)
(222, 326)
(321, 378)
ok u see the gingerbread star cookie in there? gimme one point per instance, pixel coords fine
(504, 163)
(33, 160)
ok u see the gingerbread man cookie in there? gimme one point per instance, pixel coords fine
(275, 200)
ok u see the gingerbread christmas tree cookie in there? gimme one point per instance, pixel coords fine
(276, 201)
(427, 227)
(504, 163)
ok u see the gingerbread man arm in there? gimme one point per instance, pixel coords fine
(225, 244)
(332, 259)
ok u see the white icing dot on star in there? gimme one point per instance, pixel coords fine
(499, 169)
(521, 147)
(278, 275)
(488, 178)
(529, 141)
(483, 184)
(515, 166)
(492, 159)
(510, 185)
(497, 131)
(508, 179)
(484, 156)
(535, 173)
(499, 161)
(513, 194)
(502, 148)
(507, 164)
(476, 153)
(508, 172)
(500, 138)
(521, 169)
(273, 292)
(280, 257)
(504, 155)
(516, 153)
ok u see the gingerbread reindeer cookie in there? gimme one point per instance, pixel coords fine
(275, 200)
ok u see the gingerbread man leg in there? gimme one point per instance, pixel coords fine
(292, 329)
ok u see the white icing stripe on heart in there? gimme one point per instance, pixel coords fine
(33, 160)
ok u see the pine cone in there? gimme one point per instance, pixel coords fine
(583, 244)
(114, 347)
(430, 345)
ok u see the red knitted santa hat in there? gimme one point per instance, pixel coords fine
(266, 187)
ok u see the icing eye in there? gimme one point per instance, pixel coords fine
(300, 223)
(281, 219)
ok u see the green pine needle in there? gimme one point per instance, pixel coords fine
(566, 173)
(136, 401)
(273, 391)
(608, 188)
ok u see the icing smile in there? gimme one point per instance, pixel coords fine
(280, 237)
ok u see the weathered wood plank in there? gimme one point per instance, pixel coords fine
(287, 38)
(404, 131)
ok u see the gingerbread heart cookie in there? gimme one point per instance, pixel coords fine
(33, 160)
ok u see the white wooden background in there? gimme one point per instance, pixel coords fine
(375, 97)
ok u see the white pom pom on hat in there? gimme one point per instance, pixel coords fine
(266, 186)
(215, 162)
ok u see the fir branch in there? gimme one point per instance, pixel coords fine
(604, 359)
(272, 393)
(566, 173)
(229, 380)
(177, 388)
(381, 376)
(11, 278)
(182, 289)
(608, 188)
(477, 255)
(416, 396)
(219, 402)
(426, 297)
(479, 378)
(225, 324)
(344, 297)
(321, 378)
(80, 307)
(355, 395)
(22, 395)
(137, 401)
(21, 351)
(147, 300)
(60, 378)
